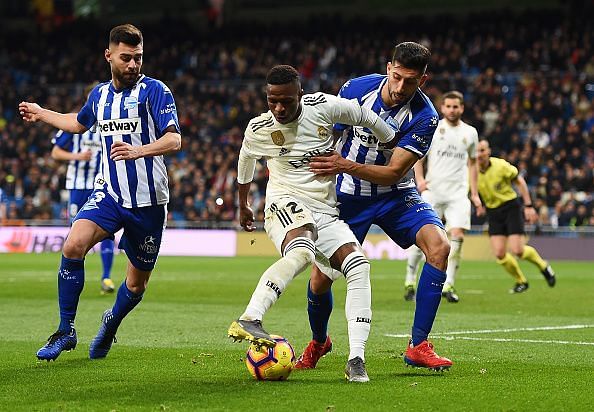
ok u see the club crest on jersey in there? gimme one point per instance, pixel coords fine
(393, 123)
(130, 102)
(323, 132)
(278, 138)
(442, 130)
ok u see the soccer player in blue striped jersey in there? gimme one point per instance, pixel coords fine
(136, 118)
(376, 185)
(83, 153)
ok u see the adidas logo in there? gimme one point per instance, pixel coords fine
(283, 151)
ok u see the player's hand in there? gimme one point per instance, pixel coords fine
(30, 112)
(480, 210)
(125, 151)
(86, 156)
(246, 218)
(328, 165)
(476, 201)
(530, 214)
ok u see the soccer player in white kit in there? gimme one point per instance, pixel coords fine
(451, 159)
(301, 215)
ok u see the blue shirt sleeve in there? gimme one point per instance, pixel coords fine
(418, 137)
(163, 107)
(63, 140)
(88, 115)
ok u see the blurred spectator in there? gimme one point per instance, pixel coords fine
(528, 79)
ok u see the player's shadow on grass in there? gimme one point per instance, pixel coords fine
(419, 374)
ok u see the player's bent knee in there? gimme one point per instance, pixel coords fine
(74, 249)
(319, 283)
(301, 252)
(355, 268)
(437, 255)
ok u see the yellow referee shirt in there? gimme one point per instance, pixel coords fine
(494, 184)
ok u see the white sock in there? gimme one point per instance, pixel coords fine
(453, 260)
(412, 267)
(355, 268)
(299, 253)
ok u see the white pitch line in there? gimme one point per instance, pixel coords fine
(561, 342)
(471, 332)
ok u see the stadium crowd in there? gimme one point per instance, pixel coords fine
(528, 81)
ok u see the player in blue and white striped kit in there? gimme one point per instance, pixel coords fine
(376, 185)
(137, 120)
(83, 153)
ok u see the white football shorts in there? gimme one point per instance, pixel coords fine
(455, 211)
(286, 213)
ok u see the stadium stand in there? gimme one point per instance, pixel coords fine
(528, 79)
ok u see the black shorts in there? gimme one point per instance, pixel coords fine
(506, 219)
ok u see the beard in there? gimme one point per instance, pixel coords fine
(126, 79)
(398, 98)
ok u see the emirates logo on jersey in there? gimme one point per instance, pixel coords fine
(278, 138)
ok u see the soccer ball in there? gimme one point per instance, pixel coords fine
(271, 364)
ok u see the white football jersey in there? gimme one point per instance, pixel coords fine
(447, 159)
(288, 148)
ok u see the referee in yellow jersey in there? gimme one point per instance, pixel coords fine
(504, 212)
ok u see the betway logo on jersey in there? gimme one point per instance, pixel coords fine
(367, 139)
(117, 127)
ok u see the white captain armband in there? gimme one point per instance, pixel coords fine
(246, 168)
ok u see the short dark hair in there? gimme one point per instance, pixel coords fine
(125, 33)
(282, 74)
(412, 55)
(453, 94)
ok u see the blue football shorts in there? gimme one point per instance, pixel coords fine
(399, 214)
(78, 197)
(143, 226)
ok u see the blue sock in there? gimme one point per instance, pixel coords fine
(106, 257)
(319, 308)
(125, 302)
(428, 298)
(71, 280)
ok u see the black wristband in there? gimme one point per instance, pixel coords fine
(528, 205)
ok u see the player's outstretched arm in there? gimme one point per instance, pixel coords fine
(350, 112)
(60, 154)
(32, 112)
(170, 142)
(400, 163)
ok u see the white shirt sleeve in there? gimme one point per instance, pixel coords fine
(350, 112)
(246, 164)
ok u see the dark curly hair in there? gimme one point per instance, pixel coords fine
(282, 74)
(412, 55)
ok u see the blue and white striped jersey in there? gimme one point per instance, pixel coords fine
(137, 115)
(80, 174)
(414, 122)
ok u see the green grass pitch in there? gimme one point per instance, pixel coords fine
(533, 351)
